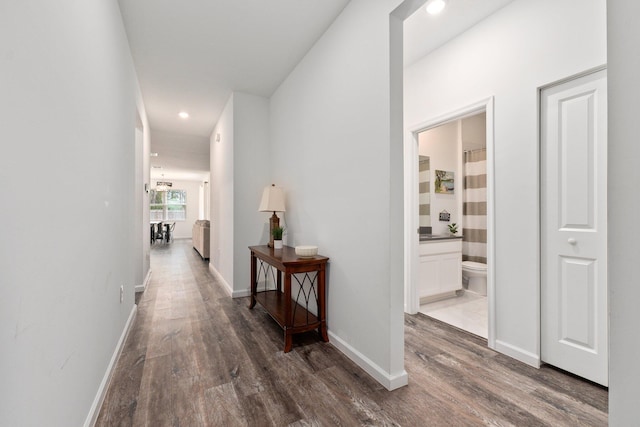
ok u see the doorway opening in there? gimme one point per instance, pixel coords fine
(449, 185)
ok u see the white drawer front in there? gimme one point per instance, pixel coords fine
(440, 247)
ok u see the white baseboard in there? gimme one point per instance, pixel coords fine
(389, 381)
(241, 293)
(438, 297)
(143, 287)
(104, 385)
(517, 353)
(233, 294)
(219, 277)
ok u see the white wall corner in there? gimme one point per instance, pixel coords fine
(104, 385)
(517, 353)
(143, 286)
(218, 276)
(239, 293)
(389, 381)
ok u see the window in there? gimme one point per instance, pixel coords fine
(170, 205)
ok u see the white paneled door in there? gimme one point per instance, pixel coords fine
(574, 307)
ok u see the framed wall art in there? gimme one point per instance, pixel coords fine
(444, 182)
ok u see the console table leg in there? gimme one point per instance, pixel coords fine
(288, 341)
(322, 305)
(322, 330)
(279, 281)
(254, 282)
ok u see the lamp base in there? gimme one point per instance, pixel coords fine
(274, 222)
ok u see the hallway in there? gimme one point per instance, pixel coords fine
(196, 357)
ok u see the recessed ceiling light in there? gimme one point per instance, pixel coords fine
(153, 154)
(435, 6)
(183, 115)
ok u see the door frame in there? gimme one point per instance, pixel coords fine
(412, 302)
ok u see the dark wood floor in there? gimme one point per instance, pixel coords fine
(196, 357)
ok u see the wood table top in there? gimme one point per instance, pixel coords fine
(286, 256)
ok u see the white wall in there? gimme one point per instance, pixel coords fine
(330, 133)
(146, 180)
(474, 132)
(138, 186)
(222, 187)
(141, 233)
(624, 201)
(183, 229)
(240, 163)
(510, 55)
(67, 120)
(441, 145)
(252, 163)
(204, 209)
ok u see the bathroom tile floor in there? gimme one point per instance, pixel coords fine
(467, 312)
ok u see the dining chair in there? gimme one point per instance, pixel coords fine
(160, 231)
(169, 232)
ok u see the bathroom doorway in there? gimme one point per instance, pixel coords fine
(449, 187)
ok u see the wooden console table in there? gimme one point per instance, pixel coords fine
(292, 314)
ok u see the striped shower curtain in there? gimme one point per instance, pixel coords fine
(474, 211)
(424, 196)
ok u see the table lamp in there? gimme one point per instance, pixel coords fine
(272, 201)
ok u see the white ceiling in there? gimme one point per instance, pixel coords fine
(424, 33)
(180, 157)
(191, 54)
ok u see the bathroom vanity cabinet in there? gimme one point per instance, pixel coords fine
(440, 267)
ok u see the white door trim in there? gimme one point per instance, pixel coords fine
(412, 302)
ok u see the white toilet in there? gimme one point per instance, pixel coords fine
(474, 277)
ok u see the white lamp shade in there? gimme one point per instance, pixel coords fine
(272, 200)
